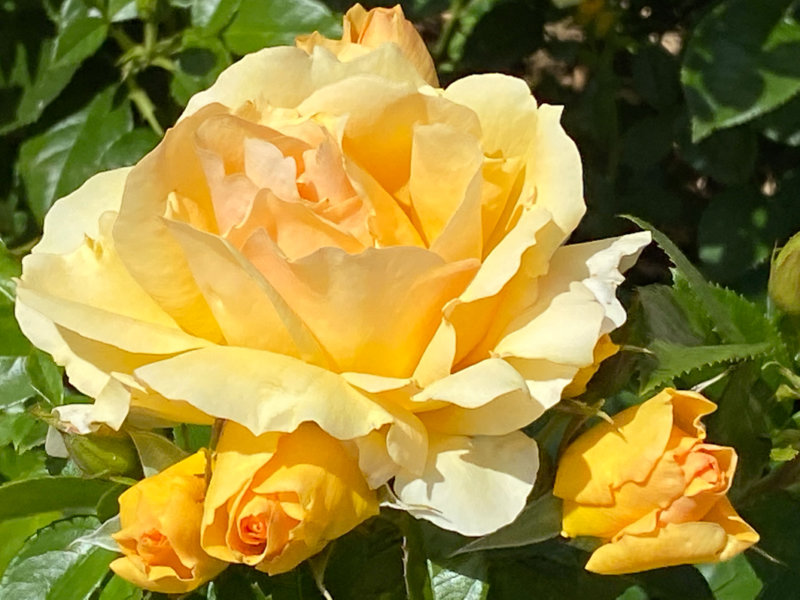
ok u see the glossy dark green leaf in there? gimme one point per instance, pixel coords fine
(713, 307)
(201, 59)
(733, 579)
(46, 377)
(367, 563)
(462, 578)
(258, 24)
(675, 360)
(540, 520)
(46, 494)
(15, 384)
(79, 39)
(129, 148)
(741, 421)
(10, 267)
(740, 64)
(213, 15)
(50, 567)
(775, 514)
(15, 532)
(59, 160)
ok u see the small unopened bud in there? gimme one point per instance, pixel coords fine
(784, 277)
(103, 454)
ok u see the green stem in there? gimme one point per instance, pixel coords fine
(448, 30)
(145, 106)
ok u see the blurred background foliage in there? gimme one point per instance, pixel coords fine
(687, 115)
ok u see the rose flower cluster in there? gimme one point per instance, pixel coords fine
(360, 277)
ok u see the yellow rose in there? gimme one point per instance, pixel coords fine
(332, 239)
(652, 488)
(277, 499)
(160, 530)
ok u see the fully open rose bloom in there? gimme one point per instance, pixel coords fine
(276, 499)
(160, 530)
(326, 236)
(652, 488)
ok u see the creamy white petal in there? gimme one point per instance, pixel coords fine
(472, 485)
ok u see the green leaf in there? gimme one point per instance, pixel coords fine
(741, 421)
(59, 160)
(464, 578)
(259, 24)
(12, 342)
(665, 318)
(201, 59)
(15, 384)
(46, 494)
(120, 589)
(20, 428)
(14, 533)
(715, 309)
(79, 40)
(367, 563)
(10, 267)
(46, 377)
(540, 520)
(129, 148)
(782, 125)
(675, 361)
(733, 579)
(42, 72)
(776, 516)
(14, 466)
(155, 451)
(739, 64)
(213, 15)
(50, 567)
(39, 87)
(728, 156)
(121, 10)
(192, 437)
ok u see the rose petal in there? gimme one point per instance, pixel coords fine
(600, 459)
(674, 544)
(77, 215)
(472, 485)
(391, 298)
(264, 391)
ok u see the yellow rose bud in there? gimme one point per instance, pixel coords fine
(277, 499)
(652, 488)
(784, 277)
(160, 530)
(364, 30)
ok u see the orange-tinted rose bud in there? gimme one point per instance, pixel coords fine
(364, 30)
(160, 536)
(279, 498)
(650, 486)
